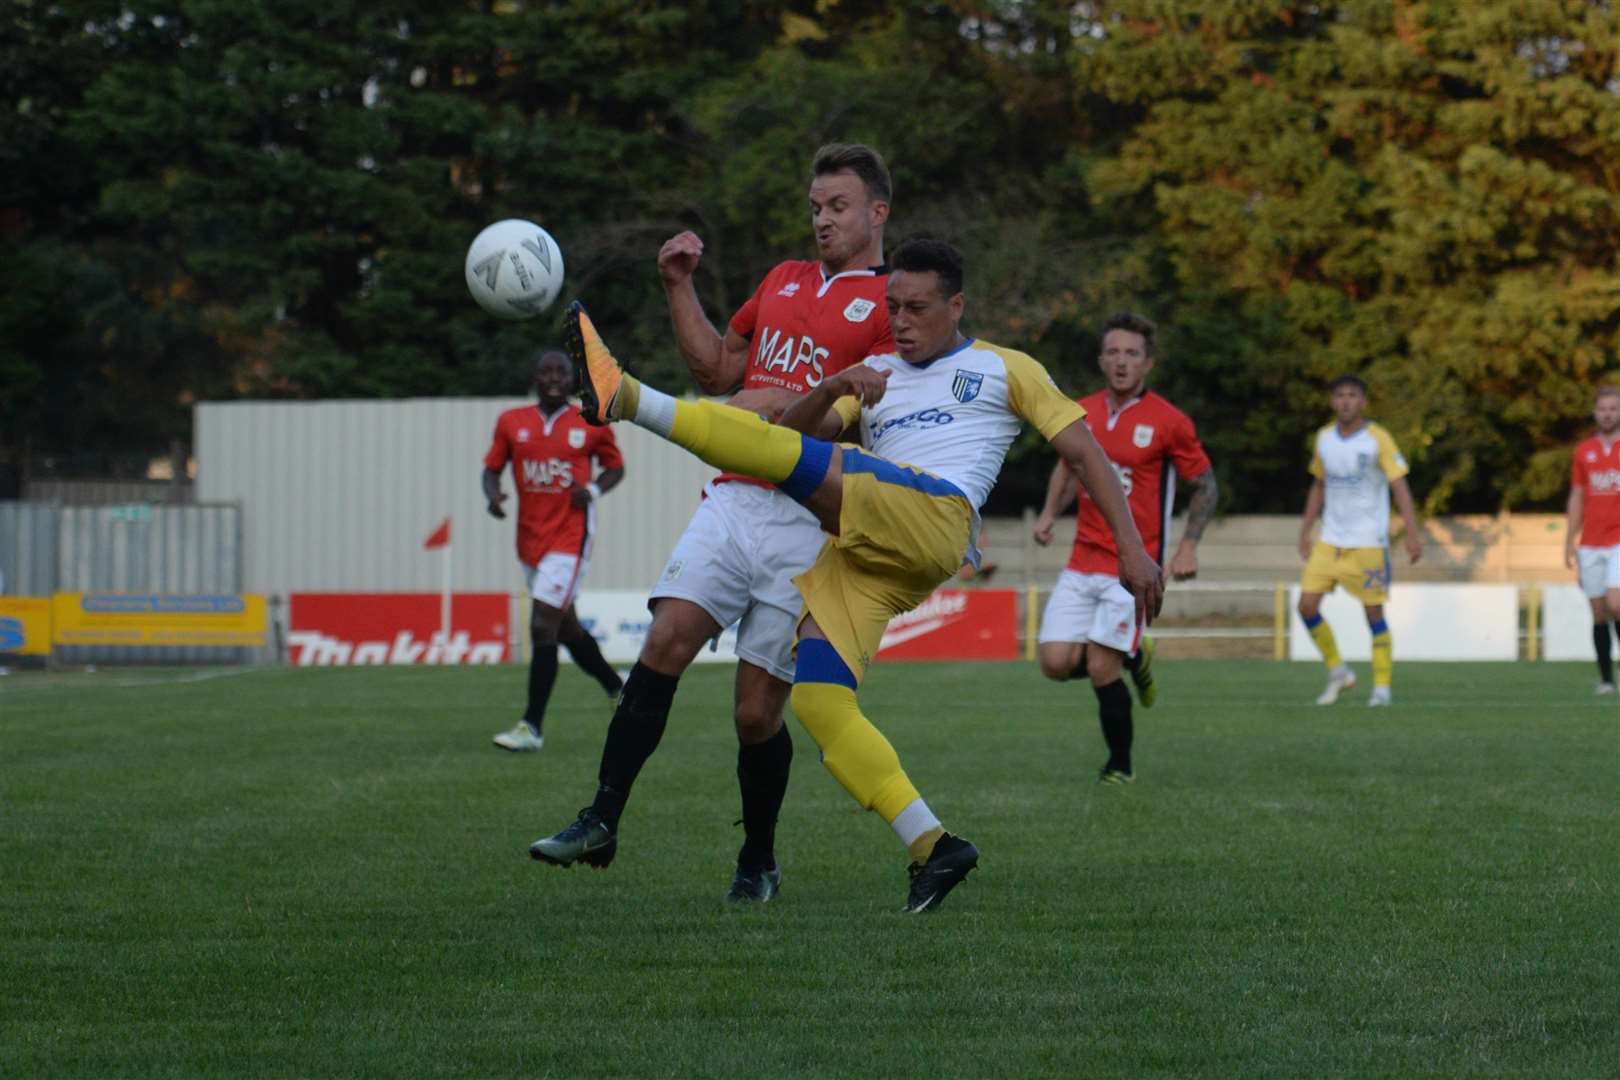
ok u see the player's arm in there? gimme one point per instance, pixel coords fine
(605, 481)
(717, 363)
(493, 495)
(1077, 446)
(1313, 510)
(769, 402)
(1575, 517)
(1061, 488)
(1403, 502)
(1206, 493)
(814, 414)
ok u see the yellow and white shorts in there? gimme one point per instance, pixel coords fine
(1363, 571)
(903, 532)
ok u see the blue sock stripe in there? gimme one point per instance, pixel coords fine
(1379, 627)
(859, 461)
(1312, 621)
(814, 458)
(819, 662)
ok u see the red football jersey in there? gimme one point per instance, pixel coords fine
(1597, 469)
(1149, 442)
(803, 326)
(550, 456)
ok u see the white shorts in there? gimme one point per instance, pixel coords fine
(1091, 607)
(1599, 569)
(737, 559)
(555, 581)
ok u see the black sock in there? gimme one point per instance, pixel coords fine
(762, 774)
(638, 725)
(1600, 643)
(1114, 712)
(588, 655)
(542, 676)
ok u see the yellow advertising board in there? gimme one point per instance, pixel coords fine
(155, 619)
(25, 625)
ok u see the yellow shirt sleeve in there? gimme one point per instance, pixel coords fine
(1318, 470)
(1033, 396)
(848, 409)
(1389, 455)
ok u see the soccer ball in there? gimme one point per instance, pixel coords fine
(514, 269)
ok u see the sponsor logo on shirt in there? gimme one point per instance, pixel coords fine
(858, 310)
(549, 472)
(1604, 482)
(929, 417)
(965, 386)
(789, 289)
(787, 354)
(1142, 437)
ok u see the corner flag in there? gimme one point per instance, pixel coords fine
(440, 536)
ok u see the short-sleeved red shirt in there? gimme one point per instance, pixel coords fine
(1597, 469)
(550, 456)
(1149, 442)
(803, 326)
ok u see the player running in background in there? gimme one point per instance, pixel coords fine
(1088, 629)
(736, 561)
(1592, 541)
(551, 450)
(948, 407)
(1357, 466)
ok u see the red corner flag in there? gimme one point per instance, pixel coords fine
(440, 537)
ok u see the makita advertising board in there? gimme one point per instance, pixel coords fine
(956, 624)
(326, 629)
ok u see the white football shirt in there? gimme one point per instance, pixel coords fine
(956, 415)
(1355, 471)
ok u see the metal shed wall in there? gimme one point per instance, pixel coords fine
(339, 495)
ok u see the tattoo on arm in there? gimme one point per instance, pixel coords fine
(1201, 509)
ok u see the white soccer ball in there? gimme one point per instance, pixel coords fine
(514, 269)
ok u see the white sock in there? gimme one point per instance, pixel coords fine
(655, 411)
(913, 821)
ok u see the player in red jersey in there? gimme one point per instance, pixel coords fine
(1592, 541)
(1090, 626)
(736, 561)
(551, 450)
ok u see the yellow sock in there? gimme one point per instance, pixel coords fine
(1322, 634)
(854, 751)
(736, 440)
(1383, 658)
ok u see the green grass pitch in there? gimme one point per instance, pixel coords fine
(324, 873)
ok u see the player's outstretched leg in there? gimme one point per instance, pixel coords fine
(733, 440)
(865, 764)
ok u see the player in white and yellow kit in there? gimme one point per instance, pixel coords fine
(1357, 467)
(946, 406)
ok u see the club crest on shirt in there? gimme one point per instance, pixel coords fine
(523, 434)
(858, 310)
(576, 438)
(1142, 437)
(965, 386)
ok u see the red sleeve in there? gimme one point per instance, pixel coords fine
(1577, 470)
(500, 451)
(606, 450)
(1186, 452)
(747, 316)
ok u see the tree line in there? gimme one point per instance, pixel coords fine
(205, 199)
